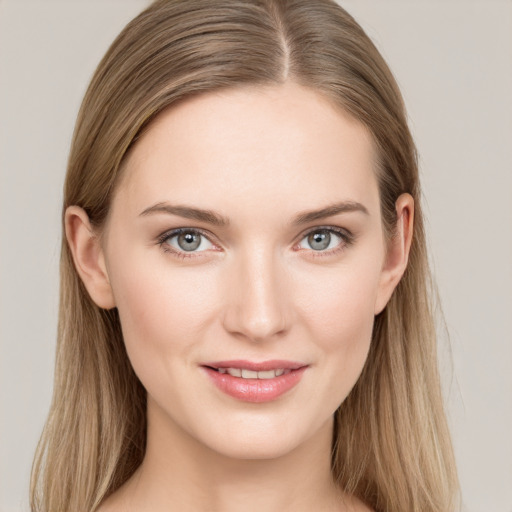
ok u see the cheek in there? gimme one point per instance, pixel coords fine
(341, 306)
(162, 312)
(340, 318)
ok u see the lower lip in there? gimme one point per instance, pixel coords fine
(255, 390)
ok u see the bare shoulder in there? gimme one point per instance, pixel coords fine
(121, 499)
(114, 503)
(361, 507)
(107, 506)
(356, 505)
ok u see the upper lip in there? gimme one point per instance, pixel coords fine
(274, 364)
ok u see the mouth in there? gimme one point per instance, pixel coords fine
(251, 374)
(255, 381)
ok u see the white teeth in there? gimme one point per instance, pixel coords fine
(250, 374)
(270, 374)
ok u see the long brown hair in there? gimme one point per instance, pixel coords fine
(391, 444)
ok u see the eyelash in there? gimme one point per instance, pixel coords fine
(346, 236)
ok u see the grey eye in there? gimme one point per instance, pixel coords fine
(321, 239)
(189, 241)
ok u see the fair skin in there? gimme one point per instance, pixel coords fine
(258, 288)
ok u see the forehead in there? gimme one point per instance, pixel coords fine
(285, 145)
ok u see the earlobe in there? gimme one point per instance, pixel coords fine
(398, 252)
(88, 256)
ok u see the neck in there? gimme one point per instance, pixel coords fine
(180, 473)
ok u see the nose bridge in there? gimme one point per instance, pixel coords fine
(257, 307)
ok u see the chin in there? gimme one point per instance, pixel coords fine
(254, 448)
(264, 439)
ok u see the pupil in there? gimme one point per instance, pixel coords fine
(319, 240)
(190, 240)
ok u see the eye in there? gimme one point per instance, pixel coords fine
(185, 240)
(326, 240)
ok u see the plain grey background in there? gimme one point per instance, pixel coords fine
(453, 61)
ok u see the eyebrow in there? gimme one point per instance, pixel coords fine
(189, 212)
(216, 219)
(329, 211)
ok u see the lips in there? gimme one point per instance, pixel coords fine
(250, 374)
(255, 381)
(274, 364)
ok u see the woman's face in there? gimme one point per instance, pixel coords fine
(216, 260)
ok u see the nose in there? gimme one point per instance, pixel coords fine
(257, 305)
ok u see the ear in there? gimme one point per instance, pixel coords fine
(88, 256)
(398, 251)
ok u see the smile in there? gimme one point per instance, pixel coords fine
(255, 382)
(250, 374)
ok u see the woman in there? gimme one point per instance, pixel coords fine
(245, 318)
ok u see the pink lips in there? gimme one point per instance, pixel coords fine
(255, 390)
